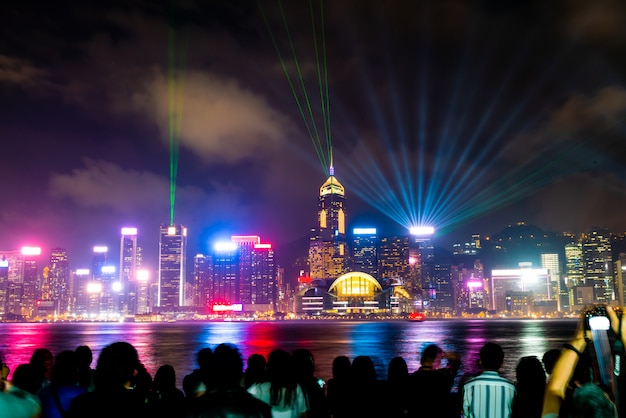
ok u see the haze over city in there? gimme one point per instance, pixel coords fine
(472, 115)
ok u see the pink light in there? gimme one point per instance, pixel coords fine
(261, 246)
(82, 272)
(246, 239)
(129, 231)
(235, 307)
(100, 249)
(474, 285)
(31, 250)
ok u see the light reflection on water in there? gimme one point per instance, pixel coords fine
(178, 343)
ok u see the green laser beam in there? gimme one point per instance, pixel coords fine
(301, 78)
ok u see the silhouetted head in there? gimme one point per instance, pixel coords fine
(430, 354)
(84, 356)
(589, 401)
(165, 378)
(530, 375)
(255, 372)
(117, 364)
(491, 356)
(397, 370)
(25, 378)
(549, 359)
(227, 366)
(43, 361)
(65, 369)
(304, 363)
(204, 358)
(341, 367)
(363, 370)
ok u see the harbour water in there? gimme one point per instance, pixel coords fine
(177, 343)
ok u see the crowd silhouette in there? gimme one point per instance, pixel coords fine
(284, 385)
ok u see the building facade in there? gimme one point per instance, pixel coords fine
(172, 260)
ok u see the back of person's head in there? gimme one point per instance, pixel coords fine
(65, 369)
(549, 359)
(491, 356)
(43, 360)
(589, 401)
(117, 364)
(165, 378)
(530, 375)
(256, 362)
(363, 370)
(255, 371)
(430, 353)
(281, 375)
(25, 378)
(204, 358)
(84, 356)
(397, 370)
(304, 363)
(227, 366)
(341, 367)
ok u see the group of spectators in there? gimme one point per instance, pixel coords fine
(561, 384)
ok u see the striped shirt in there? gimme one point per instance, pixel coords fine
(488, 395)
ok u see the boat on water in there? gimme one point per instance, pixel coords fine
(416, 317)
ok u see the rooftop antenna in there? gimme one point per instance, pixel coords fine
(332, 168)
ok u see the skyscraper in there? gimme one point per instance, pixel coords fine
(30, 280)
(172, 256)
(128, 270)
(245, 247)
(365, 251)
(264, 278)
(225, 286)
(202, 269)
(59, 279)
(327, 248)
(598, 264)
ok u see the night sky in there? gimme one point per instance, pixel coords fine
(498, 111)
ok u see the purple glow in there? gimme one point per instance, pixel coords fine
(474, 285)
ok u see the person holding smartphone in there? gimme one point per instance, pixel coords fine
(588, 399)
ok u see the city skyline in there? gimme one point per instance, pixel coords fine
(507, 111)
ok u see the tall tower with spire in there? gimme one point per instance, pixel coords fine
(328, 249)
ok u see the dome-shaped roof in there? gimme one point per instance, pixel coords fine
(332, 186)
(356, 283)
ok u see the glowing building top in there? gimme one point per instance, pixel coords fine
(332, 185)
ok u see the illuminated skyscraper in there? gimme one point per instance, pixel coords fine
(172, 256)
(327, 248)
(4, 283)
(598, 264)
(59, 279)
(245, 248)
(225, 284)
(128, 270)
(31, 281)
(393, 258)
(365, 251)
(574, 264)
(264, 276)
(14, 284)
(202, 270)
